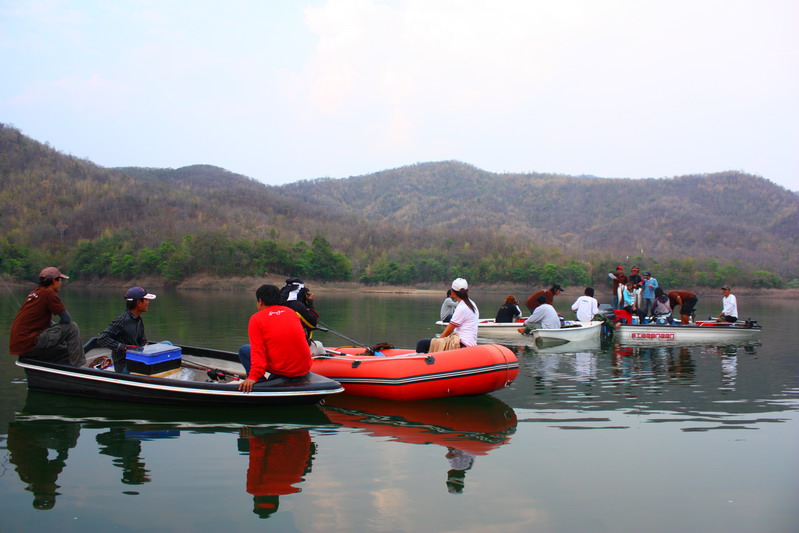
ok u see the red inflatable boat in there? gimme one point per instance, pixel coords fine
(407, 375)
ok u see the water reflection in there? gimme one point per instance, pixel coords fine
(688, 378)
(278, 443)
(464, 427)
(279, 462)
(29, 446)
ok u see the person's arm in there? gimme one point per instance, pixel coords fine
(448, 330)
(111, 337)
(65, 317)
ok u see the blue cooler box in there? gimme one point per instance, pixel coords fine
(154, 359)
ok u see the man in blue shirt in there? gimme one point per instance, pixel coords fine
(650, 284)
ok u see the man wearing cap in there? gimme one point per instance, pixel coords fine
(729, 303)
(127, 329)
(618, 278)
(532, 300)
(650, 284)
(35, 336)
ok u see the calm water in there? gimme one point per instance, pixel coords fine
(700, 438)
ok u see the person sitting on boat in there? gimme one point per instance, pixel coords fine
(661, 306)
(729, 311)
(509, 311)
(125, 330)
(277, 342)
(629, 305)
(296, 296)
(448, 307)
(532, 300)
(35, 336)
(463, 322)
(586, 306)
(618, 278)
(650, 284)
(543, 316)
(687, 301)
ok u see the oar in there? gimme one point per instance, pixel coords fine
(327, 328)
(213, 373)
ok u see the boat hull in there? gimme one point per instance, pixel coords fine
(489, 329)
(105, 385)
(581, 332)
(655, 334)
(406, 375)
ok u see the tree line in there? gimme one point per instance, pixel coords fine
(216, 254)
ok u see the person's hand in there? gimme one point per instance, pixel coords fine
(246, 385)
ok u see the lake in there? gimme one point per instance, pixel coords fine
(687, 438)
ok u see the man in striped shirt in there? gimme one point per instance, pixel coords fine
(127, 329)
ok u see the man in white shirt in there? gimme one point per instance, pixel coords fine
(729, 312)
(586, 306)
(544, 316)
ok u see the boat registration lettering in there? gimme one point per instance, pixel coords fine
(655, 336)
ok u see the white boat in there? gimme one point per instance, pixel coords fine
(491, 329)
(698, 333)
(572, 331)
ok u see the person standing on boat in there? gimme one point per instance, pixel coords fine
(532, 301)
(618, 278)
(463, 322)
(448, 307)
(277, 342)
(586, 306)
(687, 301)
(35, 336)
(125, 330)
(650, 284)
(509, 311)
(543, 317)
(729, 303)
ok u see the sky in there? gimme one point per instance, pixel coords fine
(282, 91)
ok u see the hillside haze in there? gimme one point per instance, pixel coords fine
(447, 213)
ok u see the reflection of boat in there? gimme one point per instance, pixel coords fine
(278, 441)
(572, 331)
(591, 345)
(188, 386)
(475, 425)
(91, 413)
(699, 333)
(407, 375)
(491, 329)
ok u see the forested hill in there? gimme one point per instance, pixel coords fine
(728, 215)
(421, 223)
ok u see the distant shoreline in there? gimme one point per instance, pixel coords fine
(250, 283)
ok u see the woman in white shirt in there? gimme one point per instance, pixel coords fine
(464, 319)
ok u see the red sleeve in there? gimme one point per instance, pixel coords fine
(257, 348)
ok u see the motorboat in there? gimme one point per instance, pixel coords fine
(196, 376)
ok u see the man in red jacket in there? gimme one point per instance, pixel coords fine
(277, 342)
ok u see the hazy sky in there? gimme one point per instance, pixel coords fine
(287, 90)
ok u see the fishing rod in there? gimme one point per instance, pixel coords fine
(327, 328)
(5, 283)
(215, 374)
